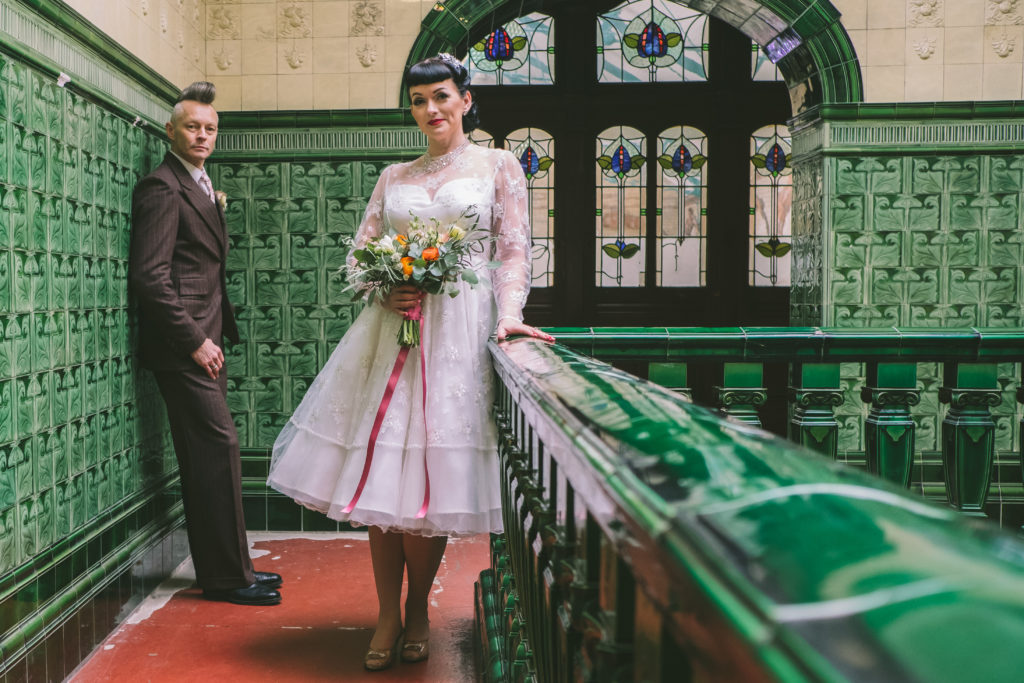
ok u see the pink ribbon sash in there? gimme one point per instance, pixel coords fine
(414, 313)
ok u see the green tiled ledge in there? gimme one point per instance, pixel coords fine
(51, 36)
(310, 135)
(910, 129)
(39, 597)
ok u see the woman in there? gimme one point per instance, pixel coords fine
(433, 471)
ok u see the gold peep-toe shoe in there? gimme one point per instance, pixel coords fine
(378, 660)
(416, 650)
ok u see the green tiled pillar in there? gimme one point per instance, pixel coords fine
(815, 393)
(889, 429)
(968, 432)
(742, 392)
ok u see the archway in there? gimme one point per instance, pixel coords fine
(804, 37)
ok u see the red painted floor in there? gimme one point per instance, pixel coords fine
(319, 631)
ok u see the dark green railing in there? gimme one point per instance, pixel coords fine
(647, 538)
(963, 468)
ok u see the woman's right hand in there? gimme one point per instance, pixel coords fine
(401, 299)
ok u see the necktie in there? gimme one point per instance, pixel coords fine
(204, 182)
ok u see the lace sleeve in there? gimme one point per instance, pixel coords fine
(373, 218)
(511, 229)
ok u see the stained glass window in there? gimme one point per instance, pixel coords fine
(682, 208)
(535, 149)
(648, 41)
(771, 200)
(521, 52)
(481, 137)
(761, 67)
(621, 188)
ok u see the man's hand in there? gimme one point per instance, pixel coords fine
(209, 357)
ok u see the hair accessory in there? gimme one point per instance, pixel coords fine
(450, 60)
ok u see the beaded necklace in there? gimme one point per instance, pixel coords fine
(432, 164)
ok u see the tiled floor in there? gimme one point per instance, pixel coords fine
(318, 632)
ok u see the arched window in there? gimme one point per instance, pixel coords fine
(670, 223)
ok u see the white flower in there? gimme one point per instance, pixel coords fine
(222, 199)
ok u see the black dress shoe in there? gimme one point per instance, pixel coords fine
(254, 594)
(268, 579)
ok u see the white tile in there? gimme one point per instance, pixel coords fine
(295, 56)
(229, 93)
(1003, 81)
(963, 45)
(224, 58)
(886, 14)
(924, 83)
(330, 19)
(854, 13)
(259, 57)
(1003, 44)
(965, 12)
(295, 92)
(962, 82)
(330, 91)
(886, 47)
(331, 55)
(259, 92)
(259, 21)
(884, 83)
(925, 46)
(367, 91)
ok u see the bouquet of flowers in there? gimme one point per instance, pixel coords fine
(430, 256)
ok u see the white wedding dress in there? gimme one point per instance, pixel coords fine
(318, 458)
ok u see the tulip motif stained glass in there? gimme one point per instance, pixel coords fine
(682, 208)
(652, 41)
(621, 211)
(535, 150)
(520, 52)
(771, 195)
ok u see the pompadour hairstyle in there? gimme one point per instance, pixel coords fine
(200, 91)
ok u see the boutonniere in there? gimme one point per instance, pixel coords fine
(222, 199)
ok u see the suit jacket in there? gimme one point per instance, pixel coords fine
(179, 246)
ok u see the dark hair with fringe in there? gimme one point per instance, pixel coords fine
(200, 91)
(435, 70)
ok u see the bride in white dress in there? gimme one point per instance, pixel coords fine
(433, 471)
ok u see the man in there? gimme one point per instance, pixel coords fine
(178, 250)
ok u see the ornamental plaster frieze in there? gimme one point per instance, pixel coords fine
(999, 12)
(367, 19)
(295, 20)
(923, 13)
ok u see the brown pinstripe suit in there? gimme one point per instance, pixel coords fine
(176, 271)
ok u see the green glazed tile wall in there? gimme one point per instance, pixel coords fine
(905, 219)
(295, 194)
(86, 469)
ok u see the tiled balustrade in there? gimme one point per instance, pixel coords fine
(650, 539)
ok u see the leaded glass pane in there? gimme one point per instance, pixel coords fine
(771, 198)
(521, 52)
(762, 68)
(643, 41)
(481, 137)
(535, 149)
(621, 186)
(682, 208)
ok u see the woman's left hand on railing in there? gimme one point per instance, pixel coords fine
(509, 326)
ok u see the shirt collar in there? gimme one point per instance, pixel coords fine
(193, 171)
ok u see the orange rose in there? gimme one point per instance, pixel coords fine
(430, 254)
(402, 239)
(407, 265)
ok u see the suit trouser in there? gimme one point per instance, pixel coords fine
(206, 444)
